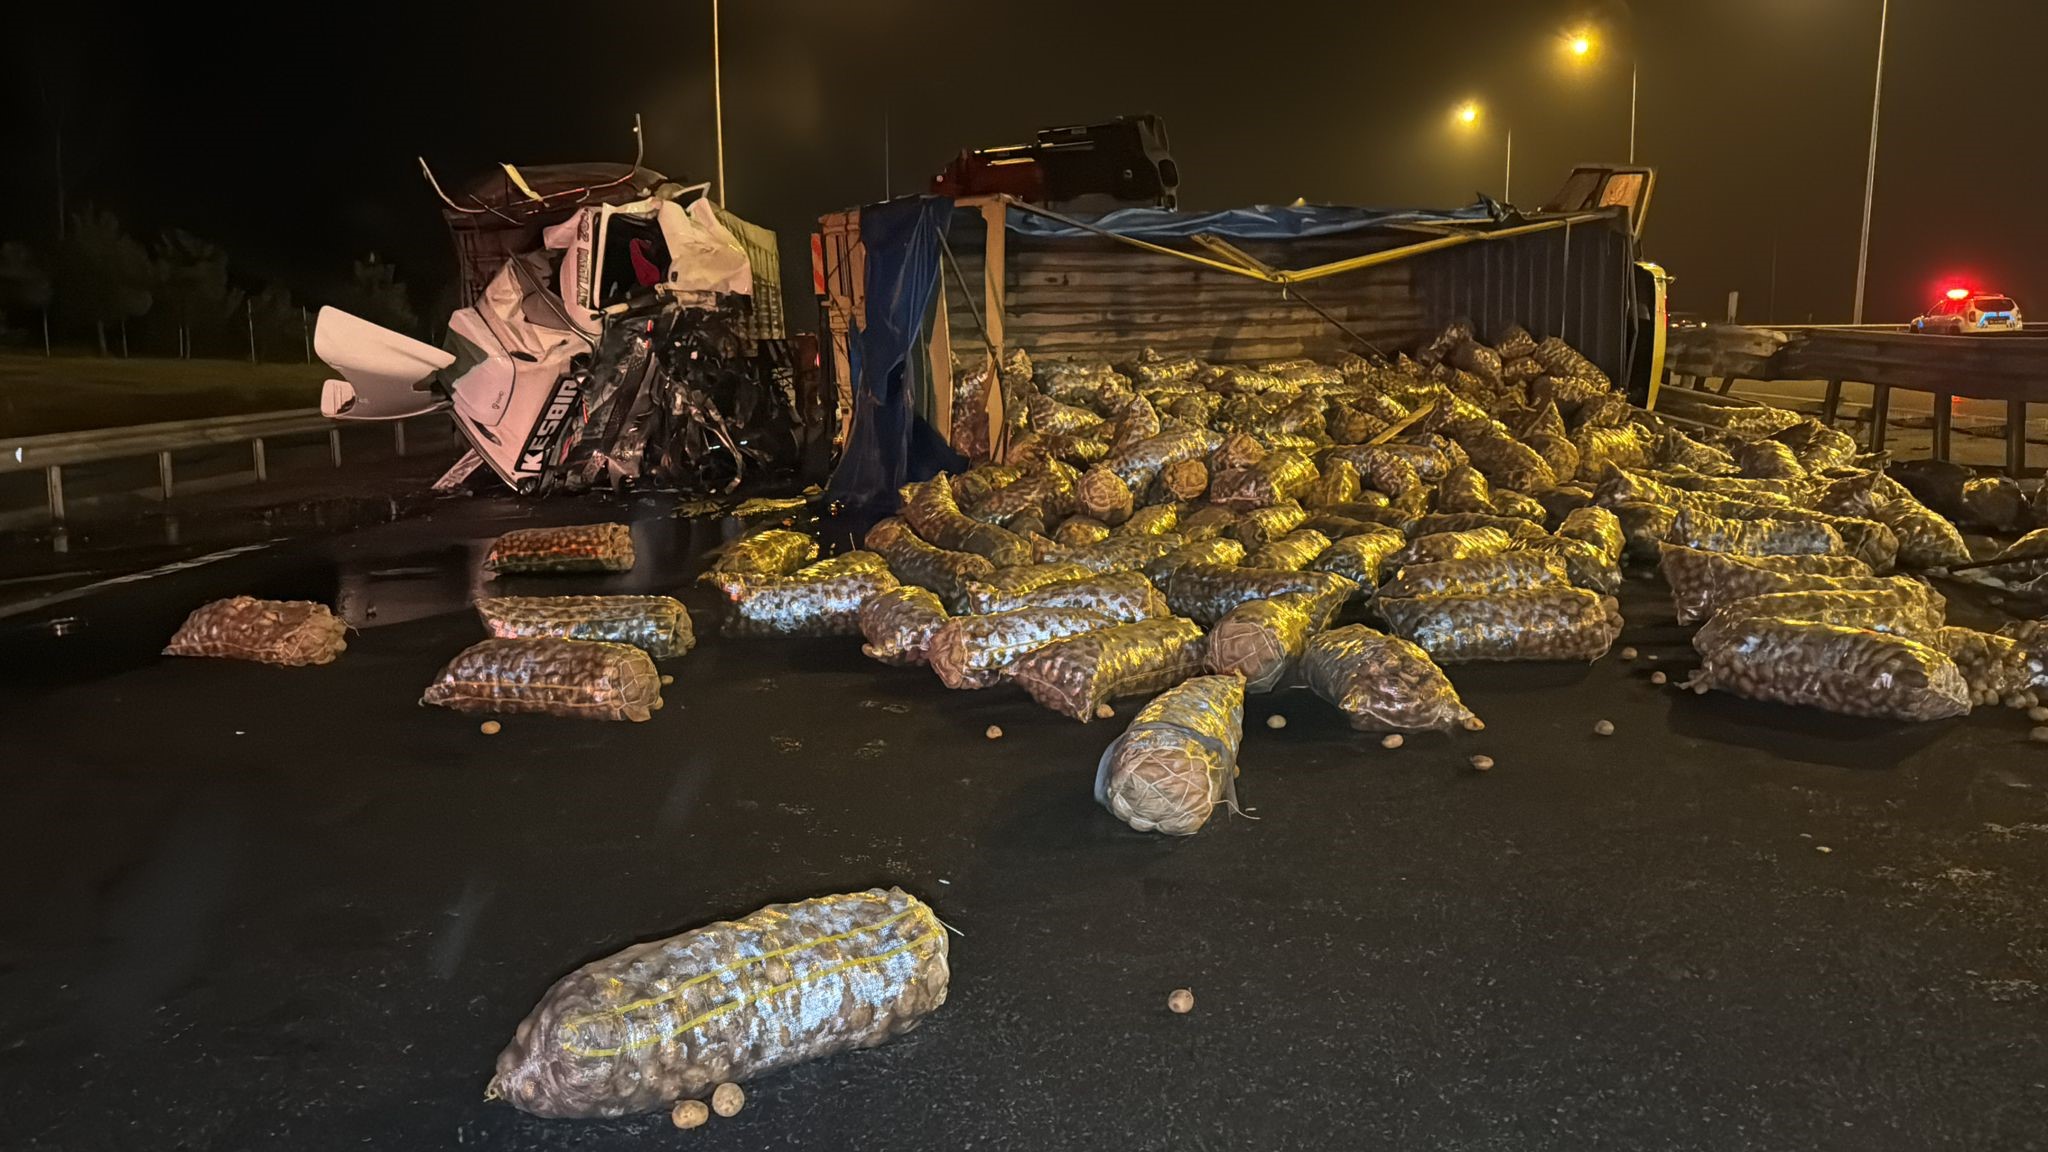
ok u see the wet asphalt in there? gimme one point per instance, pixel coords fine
(244, 907)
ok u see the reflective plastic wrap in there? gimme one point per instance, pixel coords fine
(1695, 529)
(1205, 593)
(1599, 527)
(1701, 582)
(1996, 668)
(898, 625)
(1220, 550)
(294, 633)
(1926, 539)
(1522, 531)
(1360, 558)
(1586, 565)
(1206, 522)
(1118, 553)
(1126, 597)
(1074, 677)
(1644, 527)
(1151, 520)
(1139, 463)
(572, 678)
(1293, 551)
(570, 549)
(934, 515)
(1503, 573)
(1382, 683)
(1466, 545)
(1549, 623)
(776, 552)
(657, 625)
(1262, 526)
(972, 651)
(1011, 581)
(1075, 531)
(821, 600)
(945, 572)
(1464, 490)
(671, 1019)
(1852, 671)
(1184, 479)
(1261, 640)
(1280, 477)
(1906, 608)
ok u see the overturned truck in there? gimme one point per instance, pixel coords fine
(616, 328)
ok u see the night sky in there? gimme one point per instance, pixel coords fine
(291, 140)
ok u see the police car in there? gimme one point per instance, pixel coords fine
(1962, 312)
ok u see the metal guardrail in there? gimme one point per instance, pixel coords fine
(53, 453)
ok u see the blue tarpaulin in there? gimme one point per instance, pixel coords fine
(889, 442)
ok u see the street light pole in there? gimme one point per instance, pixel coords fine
(1634, 68)
(1507, 192)
(718, 101)
(1870, 174)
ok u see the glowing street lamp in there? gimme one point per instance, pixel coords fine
(1581, 46)
(1467, 116)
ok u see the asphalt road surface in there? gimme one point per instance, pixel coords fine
(247, 907)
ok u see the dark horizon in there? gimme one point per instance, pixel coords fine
(298, 159)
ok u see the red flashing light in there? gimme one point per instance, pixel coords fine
(1958, 293)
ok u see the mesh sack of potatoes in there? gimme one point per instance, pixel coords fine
(1281, 476)
(1701, 582)
(1238, 450)
(1076, 531)
(1644, 527)
(1463, 545)
(671, 1019)
(1515, 343)
(1561, 359)
(1076, 449)
(1126, 597)
(1768, 460)
(1118, 553)
(1217, 550)
(1138, 464)
(1360, 558)
(1774, 537)
(1818, 446)
(1205, 593)
(1926, 539)
(1153, 368)
(1608, 409)
(1383, 468)
(1382, 683)
(914, 561)
(1585, 565)
(1520, 530)
(1852, 671)
(1559, 454)
(584, 679)
(1074, 677)
(1178, 759)
(1677, 450)
(1599, 527)
(977, 484)
(1339, 484)
(973, 651)
(1996, 668)
(1206, 522)
(1050, 417)
(1262, 526)
(1868, 541)
(1464, 490)
(934, 515)
(1564, 500)
(294, 633)
(572, 548)
(1475, 577)
(1519, 506)
(776, 552)
(2020, 561)
(898, 625)
(1184, 480)
(1337, 527)
(1047, 490)
(972, 391)
(1003, 582)
(1544, 623)
(1905, 608)
(1508, 462)
(1293, 552)
(1472, 356)
(1151, 520)
(821, 600)
(1348, 425)
(1995, 503)
(1601, 447)
(1262, 640)
(1431, 459)
(1136, 420)
(657, 625)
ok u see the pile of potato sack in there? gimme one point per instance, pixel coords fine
(1171, 524)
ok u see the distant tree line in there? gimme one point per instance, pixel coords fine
(101, 288)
